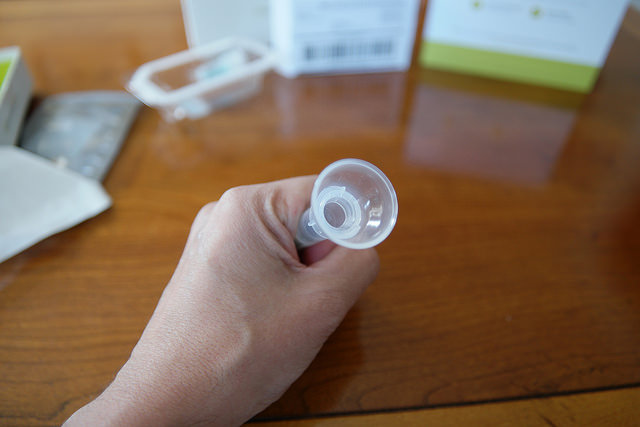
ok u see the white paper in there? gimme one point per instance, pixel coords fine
(39, 199)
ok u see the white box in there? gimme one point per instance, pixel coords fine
(15, 92)
(343, 36)
(207, 21)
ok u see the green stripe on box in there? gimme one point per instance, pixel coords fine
(507, 66)
(4, 68)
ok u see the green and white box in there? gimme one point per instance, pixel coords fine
(561, 44)
(15, 92)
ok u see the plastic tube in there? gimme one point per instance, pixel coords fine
(353, 204)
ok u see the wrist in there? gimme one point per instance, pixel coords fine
(133, 401)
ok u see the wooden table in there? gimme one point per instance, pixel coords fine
(513, 272)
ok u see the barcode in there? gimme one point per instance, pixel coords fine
(339, 51)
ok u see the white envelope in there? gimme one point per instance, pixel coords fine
(39, 199)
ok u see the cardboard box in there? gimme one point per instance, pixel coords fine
(343, 36)
(551, 43)
(15, 92)
(207, 21)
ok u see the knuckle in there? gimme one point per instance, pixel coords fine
(206, 210)
(235, 196)
(203, 215)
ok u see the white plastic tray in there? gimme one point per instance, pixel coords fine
(193, 83)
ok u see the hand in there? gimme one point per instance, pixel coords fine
(241, 318)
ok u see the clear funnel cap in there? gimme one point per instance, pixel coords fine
(353, 204)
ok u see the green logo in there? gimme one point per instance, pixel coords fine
(536, 12)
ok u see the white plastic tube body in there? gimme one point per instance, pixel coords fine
(308, 231)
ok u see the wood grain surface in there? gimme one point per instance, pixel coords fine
(514, 269)
(617, 408)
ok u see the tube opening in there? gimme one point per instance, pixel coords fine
(335, 214)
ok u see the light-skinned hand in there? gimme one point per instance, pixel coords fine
(242, 317)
